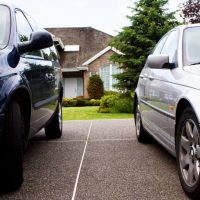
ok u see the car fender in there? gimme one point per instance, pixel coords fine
(8, 85)
(193, 98)
(136, 92)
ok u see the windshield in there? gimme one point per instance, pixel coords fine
(191, 46)
(4, 26)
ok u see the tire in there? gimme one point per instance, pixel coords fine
(11, 149)
(188, 153)
(142, 135)
(54, 129)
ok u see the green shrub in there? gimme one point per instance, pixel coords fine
(110, 92)
(107, 102)
(116, 103)
(123, 105)
(81, 102)
(95, 87)
(68, 102)
(95, 102)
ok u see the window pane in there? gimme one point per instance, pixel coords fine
(54, 53)
(79, 86)
(24, 31)
(159, 46)
(47, 54)
(191, 45)
(115, 70)
(23, 28)
(170, 46)
(4, 25)
(33, 23)
(105, 76)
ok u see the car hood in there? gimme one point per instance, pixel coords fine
(193, 76)
(193, 69)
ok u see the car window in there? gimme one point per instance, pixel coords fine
(159, 46)
(35, 26)
(191, 46)
(54, 53)
(170, 46)
(23, 27)
(4, 26)
(24, 31)
(47, 54)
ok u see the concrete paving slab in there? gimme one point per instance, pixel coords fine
(76, 130)
(112, 129)
(72, 130)
(50, 171)
(115, 165)
(128, 170)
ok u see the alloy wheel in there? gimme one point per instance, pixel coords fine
(189, 155)
(60, 115)
(138, 123)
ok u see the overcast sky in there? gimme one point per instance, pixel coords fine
(106, 15)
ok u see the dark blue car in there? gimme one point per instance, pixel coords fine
(30, 90)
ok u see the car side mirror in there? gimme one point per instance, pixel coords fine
(159, 62)
(39, 40)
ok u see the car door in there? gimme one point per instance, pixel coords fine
(51, 72)
(36, 71)
(144, 92)
(160, 92)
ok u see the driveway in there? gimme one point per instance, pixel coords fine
(97, 160)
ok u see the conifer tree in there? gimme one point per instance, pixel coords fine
(95, 87)
(150, 20)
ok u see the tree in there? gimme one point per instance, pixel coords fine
(95, 87)
(191, 11)
(150, 20)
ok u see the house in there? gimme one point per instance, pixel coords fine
(84, 52)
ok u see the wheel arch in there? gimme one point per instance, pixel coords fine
(181, 106)
(135, 103)
(61, 92)
(22, 96)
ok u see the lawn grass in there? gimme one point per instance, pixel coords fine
(90, 112)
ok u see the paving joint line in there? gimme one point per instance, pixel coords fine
(81, 163)
(112, 139)
(89, 140)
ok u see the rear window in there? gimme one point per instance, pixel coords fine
(4, 26)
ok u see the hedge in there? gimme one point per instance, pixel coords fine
(73, 102)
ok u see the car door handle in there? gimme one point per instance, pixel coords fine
(143, 76)
(151, 78)
(49, 76)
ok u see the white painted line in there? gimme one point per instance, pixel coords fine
(79, 170)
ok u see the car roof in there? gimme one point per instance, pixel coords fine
(8, 4)
(182, 27)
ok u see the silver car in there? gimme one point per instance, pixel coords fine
(167, 101)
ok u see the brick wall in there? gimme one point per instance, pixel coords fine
(90, 40)
(95, 67)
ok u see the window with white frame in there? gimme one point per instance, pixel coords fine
(106, 72)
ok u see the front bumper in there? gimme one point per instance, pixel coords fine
(1, 123)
